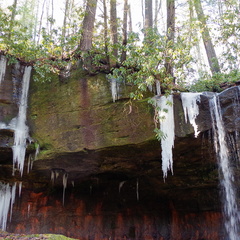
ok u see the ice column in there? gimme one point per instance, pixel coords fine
(3, 64)
(166, 119)
(114, 89)
(65, 179)
(7, 198)
(226, 179)
(21, 131)
(190, 108)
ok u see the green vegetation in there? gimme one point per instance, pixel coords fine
(56, 237)
(151, 58)
(216, 83)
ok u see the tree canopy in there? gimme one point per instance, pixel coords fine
(157, 45)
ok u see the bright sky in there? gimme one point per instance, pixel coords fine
(136, 10)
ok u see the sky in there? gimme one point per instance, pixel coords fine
(59, 10)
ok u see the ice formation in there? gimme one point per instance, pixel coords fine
(114, 89)
(3, 64)
(190, 108)
(21, 130)
(7, 199)
(166, 118)
(120, 186)
(65, 179)
(137, 190)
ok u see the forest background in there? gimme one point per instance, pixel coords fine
(157, 45)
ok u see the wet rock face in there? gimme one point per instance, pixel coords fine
(100, 209)
(111, 162)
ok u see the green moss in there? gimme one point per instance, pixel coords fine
(57, 237)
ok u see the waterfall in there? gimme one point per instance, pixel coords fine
(190, 108)
(7, 199)
(226, 175)
(21, 131)
(3, 64)
(166, 119)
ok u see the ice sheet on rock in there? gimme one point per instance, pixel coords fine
(21, 131)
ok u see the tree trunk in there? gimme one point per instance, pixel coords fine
(88, 26)
(113, 26)
(148, 24)
(207, 40)
(170, 33)
(157, 9)
(130, 18)
(40, 23)
(106, 42)
(14, 12)
(124, 42)
(64, 28)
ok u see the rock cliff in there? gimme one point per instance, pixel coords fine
(98, 174)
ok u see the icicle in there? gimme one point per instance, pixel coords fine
(37, 151)
(67, 72)
(29, 208)
(72, 183)
(13, 194)
(191, 110)
(230, 202)
(7, 198)
(166, 118)
(52, 176)
(65, 178)
(121, 185)
(20, 189)
(29, 163)
(158, 87)
(21, 131)
(114, 89)
(137, 190)
(3, 64)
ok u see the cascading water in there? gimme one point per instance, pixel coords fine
(21, 131)
(232, 218)
(166, 119)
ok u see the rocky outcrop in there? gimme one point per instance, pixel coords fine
(98, 175)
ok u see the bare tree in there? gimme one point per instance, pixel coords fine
(14, 12)
(88, 26)
(130, 18)
(207, 40)
(148, 23)
(124, 41)
(158, 4)
(40, 23)
(113, 27)
(105, 31)
(170, 33)
(64, 27)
